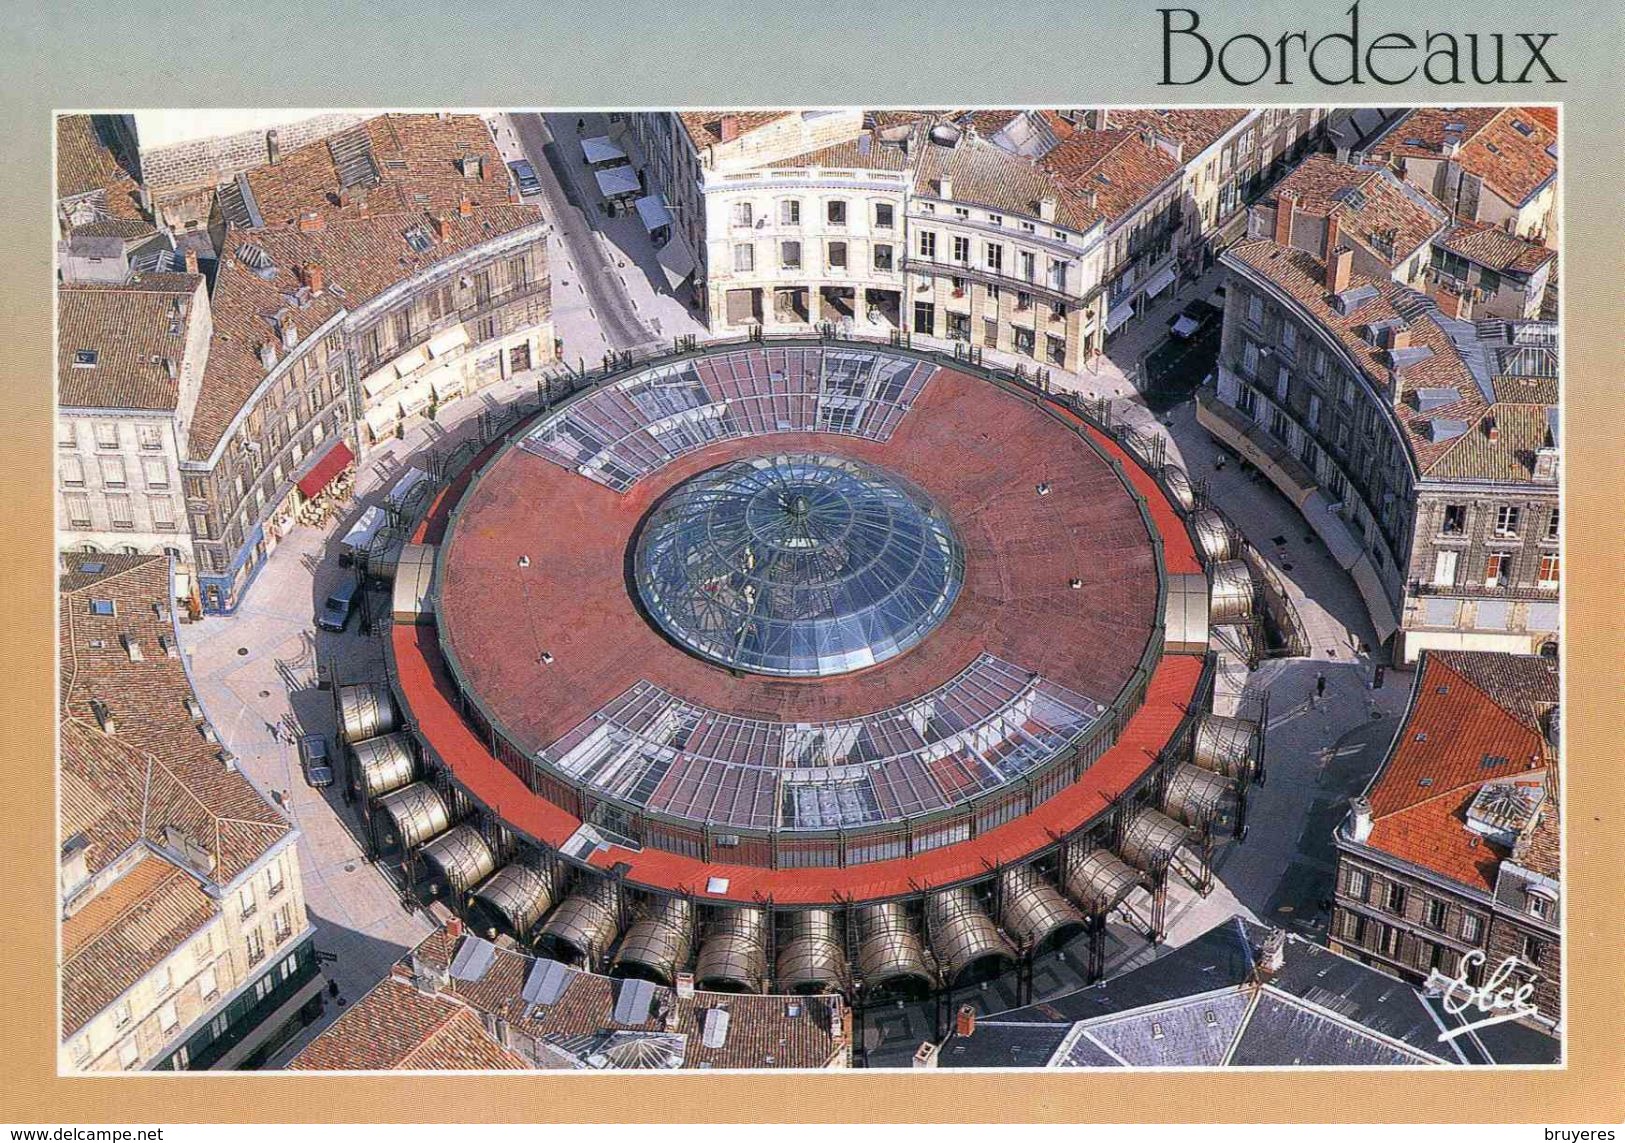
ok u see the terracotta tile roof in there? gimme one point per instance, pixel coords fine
(1109, 172)
(397, 1028)
(132, 329)
(124, 932)
(1373, 207)
(1520, 430)
(125, 228)
(397, 1021)
(1488, 245)
(1476, 716)
(357, 235)
(1504, 146)
(418, 163)
(705, 127)
(985, 174)
(1194, 128)
(1541, 849)
(155, 773)
(85, 166)
(851, 153)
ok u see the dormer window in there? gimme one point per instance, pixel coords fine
(84, 359)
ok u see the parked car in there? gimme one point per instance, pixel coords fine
(525, 175)
(1194, 318)
(314, 761)
(335, 613)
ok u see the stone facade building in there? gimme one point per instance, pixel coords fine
(1449, 864)
(1421, 448)
(185, 939)
(129, 371)
(1481, 271)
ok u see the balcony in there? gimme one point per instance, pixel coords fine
(1530, 592)
(931, 267)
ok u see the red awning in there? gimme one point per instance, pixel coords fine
(323, 471)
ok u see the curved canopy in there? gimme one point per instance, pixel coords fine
(798, 565)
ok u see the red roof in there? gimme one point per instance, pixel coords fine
(323, 471)
(1457, 736)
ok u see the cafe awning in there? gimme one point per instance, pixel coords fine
(1119, 314)
(410, 362)
(452, 339)
(601, 149)
(415, 397)
(617, 182)
(447, 382)
(1375, 597)
(1331, 529)
(677, 260)
(378, 383)
(382, 419)
(1160, 281)
(321, 473)
(652, 209)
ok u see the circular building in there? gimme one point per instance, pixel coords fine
(807, 626)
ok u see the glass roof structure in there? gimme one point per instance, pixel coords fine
(987, 727)
(619, 433)
(797, 565)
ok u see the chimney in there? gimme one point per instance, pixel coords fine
(1333, 232)
(1399, 337)
(1491, 429)
(314, 279)
(268, 355)
(925, 1056)
(465, 208)
(290, 334)
(1272, 952)
(965, 1021)
(1338, 268)
(104, 716)
(945, 187)
(310, 222)
(442, 228)
(1046, 208)
(273, 148)
(728, 128)
(1286, 206)
(1360, 818)
(1451, 147)
(454, 929)
(191, 260)
(75, 863)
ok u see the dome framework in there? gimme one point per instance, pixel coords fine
(798, 565)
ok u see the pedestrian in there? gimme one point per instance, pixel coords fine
(271, 729)
(1218, 464)
(581, 126)
(1320, 686)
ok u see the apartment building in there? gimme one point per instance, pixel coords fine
(1449, 865)
(185, 939)
(1421, 448)
(1481, 271)
(1495, 165)
(129, 371)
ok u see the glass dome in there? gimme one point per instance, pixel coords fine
(797, 565)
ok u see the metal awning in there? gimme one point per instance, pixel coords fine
(412, 600)
(1375, 596)
(652, 209)
(677, 260)
(1331, 529)
(364, 529)
(443, 343)
(411, 362)
(601, 149)
(1160, 281)
(1120, 313)
(617, 182)
(321, 473)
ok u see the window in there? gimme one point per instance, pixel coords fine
(1497, 568)
(168, 1017)
(1282, 381)
(163, 979)
(1548, 569)
(67, 434)
(282, 923)
(1394, 901)
(1280, 426)
(1249, 359)
(121, 1014)
(837, 255)
(1538, 906)
(81, 1051)
(990, 332)
(1433, 914)
(835, 212)
(1289, 337)
(1025, 340)
(208, 986)
(1247, 400)
(744, 258)
(994, 254)
(1255, 310)
(155, 472)
(128, 1053)
(1455, 520)
(113, 475)
(149, 437)
(255, 943)
(1533, 950)
(245, 901)
(1551, 525)
(884, 216)
(264, 986)
(1444, 569)
(961, 248)
(928, 244)
(401, 322)
(487, 329)
(925, 318)
(1057, 311)
(1314, 411)
(120, 512)
(742, 214)
(790, 212)
(1359, 885)
(72, 471)
(1506, 520)
(200, 526)
(273, 878)
(1472, 927)
(790, 255)
(106, 434)
(1390, 941)
(883, 256)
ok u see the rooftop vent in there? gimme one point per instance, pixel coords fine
(132, 647)
(84, 359)
(1429, 398)
(104, 716)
